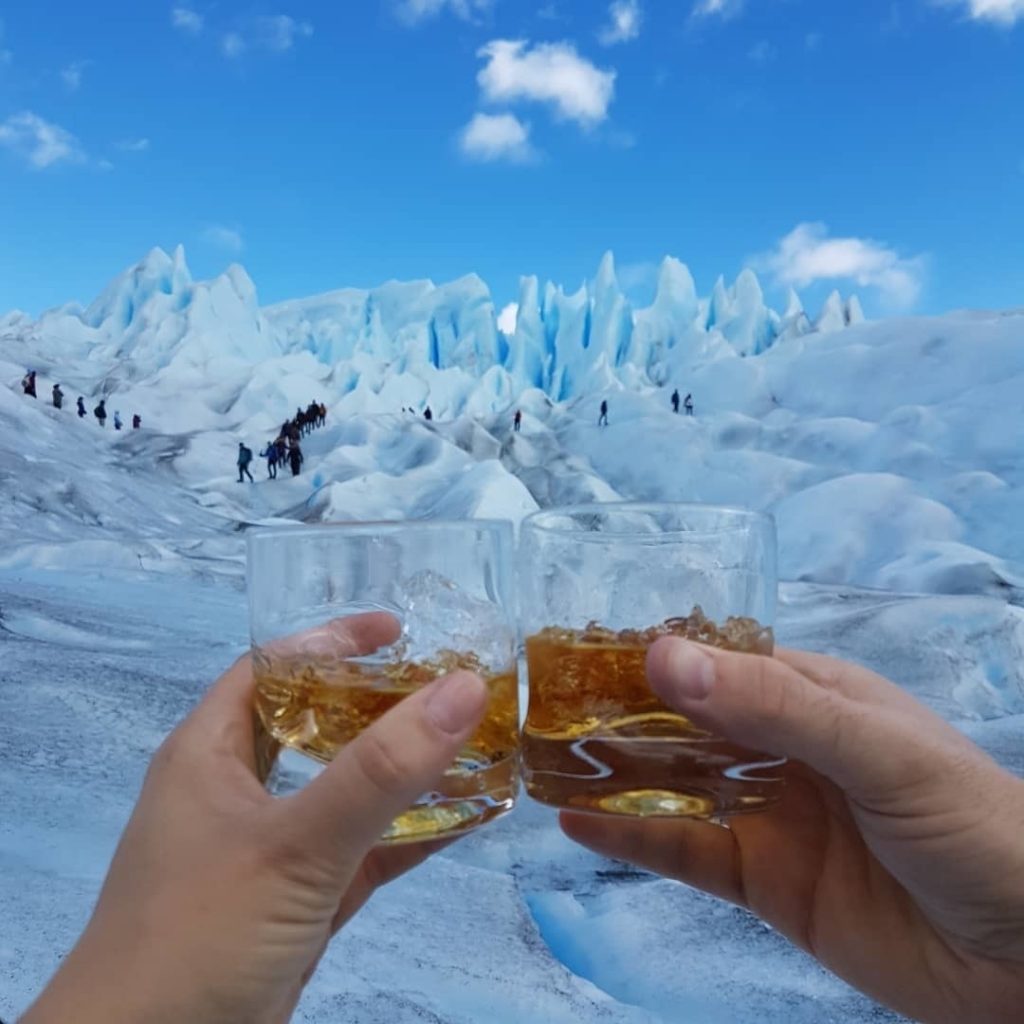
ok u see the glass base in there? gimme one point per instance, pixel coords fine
(468, 797)
(650, 778)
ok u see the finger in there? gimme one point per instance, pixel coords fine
(381, 865)
(222, 722)
(373, 779)
(346, 637)
(766, 704)
(695, 852)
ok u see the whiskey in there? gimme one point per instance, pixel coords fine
(316, 708)
(597, 738)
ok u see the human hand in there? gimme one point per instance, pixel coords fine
(221, 899)
(896, 855)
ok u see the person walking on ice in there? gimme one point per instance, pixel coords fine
(688, 405)
(295, 459)
(117, 420)
(270, 454)
(100, 412)
(675, 401)
(136, 421)
(602, 420)
(81, 408)
(28, 383)
(517, 420)
(244, 458)
(58, 397)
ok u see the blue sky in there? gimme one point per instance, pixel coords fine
(876, 146)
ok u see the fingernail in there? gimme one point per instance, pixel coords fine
(691, 672)
(455, 703)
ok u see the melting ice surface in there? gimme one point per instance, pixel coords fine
(888, 452)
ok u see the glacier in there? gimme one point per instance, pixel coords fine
(887, 450)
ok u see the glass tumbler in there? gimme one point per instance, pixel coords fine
(349, 618)
(598, 584)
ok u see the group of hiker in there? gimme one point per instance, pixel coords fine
(602, 419)
(28, 385)
(285, 448)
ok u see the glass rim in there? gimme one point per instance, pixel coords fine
(384, 527)
(743, 520)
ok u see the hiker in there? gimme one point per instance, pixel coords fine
(28, 383)
(244, 458)
(517, 420)
(675, 401)
(100, 412)
(313, 414)
(323, 414)
(688, 405)
(81, 407)
(58, 397)
(293, 433)
(300, 422)
(295, 458)
(285, 427)
(282, 450)
(136, 421)
(427, 414)
(270, 454)
(602, 420)
(117, 420)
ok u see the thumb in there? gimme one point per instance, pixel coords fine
(342, 814)
(762, 703)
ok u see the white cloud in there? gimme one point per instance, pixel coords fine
(279, 31)
(549, 73)
(276, 33)
(807, 255)
(187, 20)
(224, 237)
(412, 12)
(72, 75)
(132, 145)
(999, 12)
(507, 318)
(39, 142)
(763, 52)
(624, 17)
(724, 9)
(232, 44)
(490, 137)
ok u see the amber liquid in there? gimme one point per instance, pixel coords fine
(597, 739)
(316, 709)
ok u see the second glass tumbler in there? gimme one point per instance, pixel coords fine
(598, 585)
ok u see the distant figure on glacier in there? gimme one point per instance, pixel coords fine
(295, 459)
(282, 450)
(117, 420)
(323, 415)
(58, 397)
(675, 401)
(136, 421)
(100, 412)
(28, 383)
(244, 458)
(81, 407)
(688, 405)
(313, 415)
(517, 420)
(270, 454)
(427, 414)
(602, 420)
